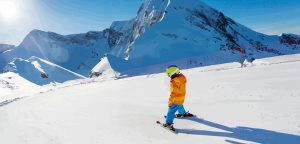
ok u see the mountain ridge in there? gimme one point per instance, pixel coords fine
(189, 34)
(176, 30)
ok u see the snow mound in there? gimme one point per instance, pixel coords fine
(40, 71)
(104, 69)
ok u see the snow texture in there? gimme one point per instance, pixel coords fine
(250, 105)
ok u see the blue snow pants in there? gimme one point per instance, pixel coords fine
(171, 112)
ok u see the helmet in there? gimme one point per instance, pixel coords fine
(171, 70)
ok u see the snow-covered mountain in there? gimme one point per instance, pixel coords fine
(186, 33)
(4, 48)
(78, 52)
(40, 71)
(190, 33)
(251, 105)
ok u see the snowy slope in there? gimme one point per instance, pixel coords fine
(14, 87)
(40, 71)
(251, 105)
(78, 52)
(176, 30)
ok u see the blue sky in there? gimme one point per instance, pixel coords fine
(266, 16)
(78, 16)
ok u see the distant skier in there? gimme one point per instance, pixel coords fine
(242, 52)
(176, 100)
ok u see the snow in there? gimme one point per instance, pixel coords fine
(162, 32)
(250, 105)
(166, 31)
(258, 103)
(40, 71)
(77, 52)
(38, 66)
(5, 47)
(104, 69)
(13, 87)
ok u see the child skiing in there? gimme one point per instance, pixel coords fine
(177, 96)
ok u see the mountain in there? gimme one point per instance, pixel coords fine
(39, 71)
(251, 105)
(189, 34)
(4, 48)
(186, 33)
(78, 52)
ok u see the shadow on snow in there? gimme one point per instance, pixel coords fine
(243, 133)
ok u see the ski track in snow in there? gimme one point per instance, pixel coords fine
(2, 103)
(258, 104)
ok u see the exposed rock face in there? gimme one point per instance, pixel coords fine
(291, 40)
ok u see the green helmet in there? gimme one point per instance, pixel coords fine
(171, 70)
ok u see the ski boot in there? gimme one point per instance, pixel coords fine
(187, 114)
(169, 126)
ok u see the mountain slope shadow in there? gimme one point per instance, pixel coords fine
(243, 133)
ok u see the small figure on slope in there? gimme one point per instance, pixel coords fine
(177, 96)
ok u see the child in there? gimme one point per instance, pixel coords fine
(177, 96)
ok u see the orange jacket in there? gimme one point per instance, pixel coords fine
(178, 89)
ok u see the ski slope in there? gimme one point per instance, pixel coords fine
(258, 104)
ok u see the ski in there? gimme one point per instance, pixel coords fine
(172, 130)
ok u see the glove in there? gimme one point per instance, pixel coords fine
(170, 104)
